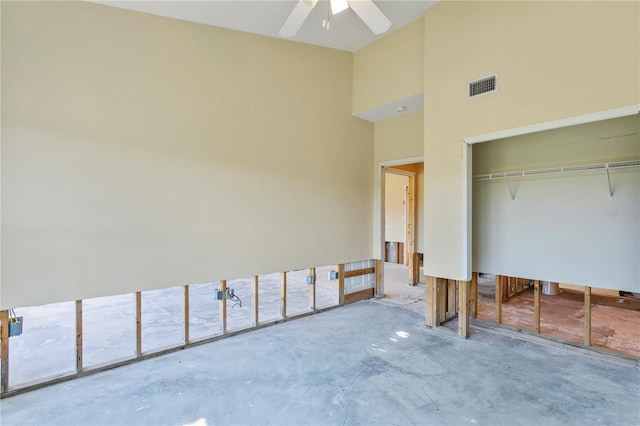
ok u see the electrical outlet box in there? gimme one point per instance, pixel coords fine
(218, 294)
(311, 279)
(15, 326)
(333, 275)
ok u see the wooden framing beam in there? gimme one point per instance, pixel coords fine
(79, 362)
(255, 300)
(473, 295)
(415, 267)
(410, 247)
(441, 308)
(138, 324)
(4, 351)
(499, 286)
(587, 316)
(536, 306)
(379, 265)
(358, 295)
(463, 308)
(312, 289)
(340, 284)
(185, 313)
(431, 296)
(451, 298)
(223, 307)
(283, 295)
(359, 272)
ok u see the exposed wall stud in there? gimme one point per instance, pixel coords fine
(185, 313)
(473, 295)
(441, 307)
(379, 265)
(451, 298)
(79, 365)
(223, 307)
(283, 294)
(138, 324)
(431, 296)
(312, 289)
(255, 296)
(587, 316)
(410, 237)
(340, 284)
(4, 350)
(415, 266)
(463, 308)
(536, 306)
(499, 286)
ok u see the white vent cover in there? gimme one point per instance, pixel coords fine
(483, 86)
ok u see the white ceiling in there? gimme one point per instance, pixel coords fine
(266, 17)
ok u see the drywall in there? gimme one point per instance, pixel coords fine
(390, 68)
(561, 227)
(141, 152)
(554, 59)
(394, 200)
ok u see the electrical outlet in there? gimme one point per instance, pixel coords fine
(333, 275)
(311, 279)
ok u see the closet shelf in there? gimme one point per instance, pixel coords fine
(558, 170)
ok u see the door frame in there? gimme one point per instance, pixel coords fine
(384, 167)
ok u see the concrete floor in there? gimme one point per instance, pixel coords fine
(365, 363)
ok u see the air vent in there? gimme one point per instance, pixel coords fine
(483, 86)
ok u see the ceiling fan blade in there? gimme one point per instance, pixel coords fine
(298, 16)
(371, 15)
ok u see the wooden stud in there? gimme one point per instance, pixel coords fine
(451, 298)
(499, 287)
(536, 306)
(185, 313)
(441, 307)
(312, 289)
(587, 316)
(79, 365)
(138, 324)
(359, 272)
(223, 306)
(415, 267)
(4, 350)
(255, 292)
(473, 295)
(410, 230)
(379, 265)
(283, 295)
(340, 269)
(431, 311)
(358, 295)
(463, 308)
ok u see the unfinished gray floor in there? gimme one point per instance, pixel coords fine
(366, 363)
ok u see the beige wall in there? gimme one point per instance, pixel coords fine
(554, 59)
(561, 227)
(140, 152)
(389, 69)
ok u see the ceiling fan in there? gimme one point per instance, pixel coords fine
(365, 9)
